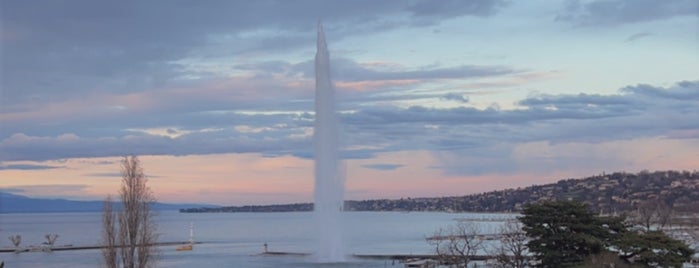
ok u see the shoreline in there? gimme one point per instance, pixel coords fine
(42, 248)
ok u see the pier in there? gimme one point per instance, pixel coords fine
(406, 260)
(398, 257)
(41, 248)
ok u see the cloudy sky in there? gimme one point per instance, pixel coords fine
(436, 97)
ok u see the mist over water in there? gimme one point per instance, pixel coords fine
(329, 180)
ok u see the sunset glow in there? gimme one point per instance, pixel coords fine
(435, 99)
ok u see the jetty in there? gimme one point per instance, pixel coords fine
(398, 257)
(407, 260)
(72, 247)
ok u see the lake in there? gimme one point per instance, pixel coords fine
(236, 239)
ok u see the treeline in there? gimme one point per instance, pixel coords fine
(605, 193)
(262, 208)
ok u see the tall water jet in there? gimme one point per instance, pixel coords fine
(329, 181)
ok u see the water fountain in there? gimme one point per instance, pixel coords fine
(329, 181)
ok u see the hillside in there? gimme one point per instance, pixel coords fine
(13, 203)
(606, 193)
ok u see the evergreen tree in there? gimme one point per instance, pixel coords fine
(563, 233)
(654, 248)
(566, 233)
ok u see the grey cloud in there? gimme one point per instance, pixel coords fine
(13, 190)
(582, 118)
(105, 175)
(685, 91)
(455, 97)
(582, 105)
(278, 67)
(637, 36)
(114, 175)
(55, 188)
(347, 70)
(62, 49)
(455, 8)
(616, 12)
(383, 166)
(344, 69)
(466, 115)
(352, 71)
(59, 191)
(575, 100)
(636, 112)
(26, 167)
(190, 111)
(24, 147)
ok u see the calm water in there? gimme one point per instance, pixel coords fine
(233, 239)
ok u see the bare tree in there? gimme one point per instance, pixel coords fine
(645, 213)
(136, 235)
(663, 214)
(50, 240)
(654, 211)
(457, 244)
(512, 250)
(16, 240)
(109, 234)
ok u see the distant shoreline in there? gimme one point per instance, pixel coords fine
(14, 203)
(605, 194)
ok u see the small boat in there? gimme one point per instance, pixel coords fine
(187, 247)
(190, 245)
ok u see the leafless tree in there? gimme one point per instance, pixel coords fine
(458, 244)
(109, 234)
(645, 213)
(50, 240)
(664, 214)
(16, 240)
(136, 235)
(693, 230)
(653, 211)
(512, 250)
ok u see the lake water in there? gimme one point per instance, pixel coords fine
(235, 239)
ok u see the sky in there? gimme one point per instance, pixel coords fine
(436, 98)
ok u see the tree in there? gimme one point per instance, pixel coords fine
(109, 250)
(664, 214)
(653, 211)
(135, 236)
(512, 250)
(16, 240)
(607, 259)
(457, 244)
(654, 248)
(645, 213)
(50, 240)
(563, 233)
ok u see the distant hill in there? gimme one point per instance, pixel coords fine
(606, 193)
(13, 203)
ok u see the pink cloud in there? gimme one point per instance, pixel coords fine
(369, 85)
